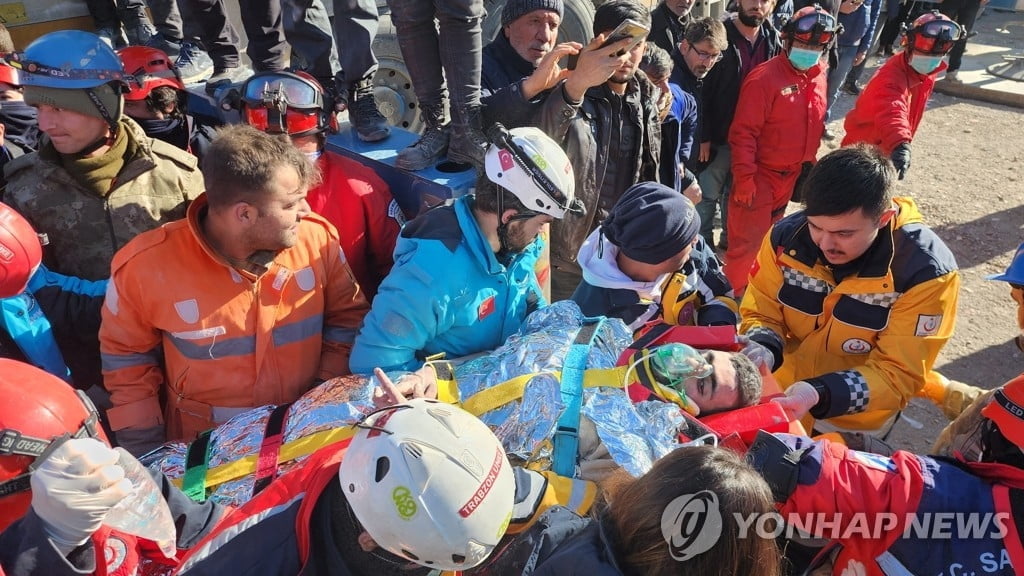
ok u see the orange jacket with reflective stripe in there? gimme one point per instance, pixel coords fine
(180, 321)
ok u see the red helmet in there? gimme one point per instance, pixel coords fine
(20, 252)
(286, 103)
(933, 33)
(811, 25)
(148, 68)
(9, 74)
(37, 409)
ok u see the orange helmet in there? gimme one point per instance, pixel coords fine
(9, 74)
(286, 103)
(148, 68)
(37, 409)
(812, 25)
(933, 33)
(20, 252)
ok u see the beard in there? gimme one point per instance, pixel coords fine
(517, 239)
(751, 21)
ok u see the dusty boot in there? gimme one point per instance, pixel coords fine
(138, 26)
(370, 124)
(469, 144)
(432, 145)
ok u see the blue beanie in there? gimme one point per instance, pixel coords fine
(516, 8)
(651, 223)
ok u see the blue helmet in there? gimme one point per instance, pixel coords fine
(69, 59)
(1015, 271)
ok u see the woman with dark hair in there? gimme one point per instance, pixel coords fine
(682, 517)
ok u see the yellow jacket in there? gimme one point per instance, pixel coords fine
(868, 341)
(214, 340)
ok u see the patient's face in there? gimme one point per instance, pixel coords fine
(718, 392)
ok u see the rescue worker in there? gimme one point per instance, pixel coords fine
(851, 299)
(982, 502)
(891, 106)
(247, 301)
(157, 100)
(63, 482)
(647, 263)
(17, 119)
(464, 278)
(47, 319)
(777, 127)
(351, 196)
(97, 180)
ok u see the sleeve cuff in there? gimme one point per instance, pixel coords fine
(840, 393)
(143, 413)
(769, 339)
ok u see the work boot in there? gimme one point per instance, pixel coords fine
(850, 88)
(193, 63)
(113, 37)
(169, 46)
(432, 145)
(370, 124)
(468, 142)
(225, 77)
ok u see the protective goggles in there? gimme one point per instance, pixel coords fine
(817, 29)
(288, 121)
(15, 443)
(282, 90)
(935, 37)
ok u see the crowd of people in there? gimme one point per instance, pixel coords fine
(160, 277)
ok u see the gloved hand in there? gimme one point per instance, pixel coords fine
(758, 354)
(75, 488)
(743, 193)
(901, 159)
(798, 401)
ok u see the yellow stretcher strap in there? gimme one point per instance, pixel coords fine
(295, 449)
(497, 396)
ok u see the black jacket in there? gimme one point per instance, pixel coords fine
(722, 84)
(666, 28)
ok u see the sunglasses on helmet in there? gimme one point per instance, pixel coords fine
(935, 37)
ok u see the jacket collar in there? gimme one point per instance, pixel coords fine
(502, 51)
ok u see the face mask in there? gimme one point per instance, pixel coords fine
(170, 130)
(802, 58)
(668, 368)
(314, 156)
(925, 64)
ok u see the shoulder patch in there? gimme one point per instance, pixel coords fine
(928, 324)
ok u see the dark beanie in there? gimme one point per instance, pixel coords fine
(516, 8)
(651, 223)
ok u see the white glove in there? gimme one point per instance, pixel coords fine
(758, 354)
(799, 399)
(75, 488)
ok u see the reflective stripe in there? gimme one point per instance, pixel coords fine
(339, 334)
(298, 331)
(227, 535)
(577, 497)
(113, 362)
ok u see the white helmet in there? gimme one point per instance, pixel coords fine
(430, 483)
(534, 168)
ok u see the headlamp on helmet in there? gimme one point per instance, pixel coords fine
(286, 103)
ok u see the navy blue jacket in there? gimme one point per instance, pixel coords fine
(501, 85)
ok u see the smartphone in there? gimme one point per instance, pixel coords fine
(628, 29)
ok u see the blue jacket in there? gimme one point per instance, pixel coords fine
(859, 25)
(54, 325)
(447, 292)
(678, 131)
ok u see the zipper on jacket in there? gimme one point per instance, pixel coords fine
(110, 221)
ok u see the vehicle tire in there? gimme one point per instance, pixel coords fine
(392, 84)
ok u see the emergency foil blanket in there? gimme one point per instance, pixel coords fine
(634, 435)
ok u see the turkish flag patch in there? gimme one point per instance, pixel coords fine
(485, 308)
(505, 160)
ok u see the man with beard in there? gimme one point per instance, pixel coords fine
(752, 40)
(521, 63)
(463, 279)
(852, 298)
(606, 116)
(695, 56)
(668, 23)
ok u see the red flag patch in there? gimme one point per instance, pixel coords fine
(485, 308)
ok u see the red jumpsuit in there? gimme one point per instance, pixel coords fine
(889, 110)
(780, 117)
(359, 204)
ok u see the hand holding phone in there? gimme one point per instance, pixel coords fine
(628, 29)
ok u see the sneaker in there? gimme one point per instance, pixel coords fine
(370, 124)
(828, 135)
(193, 63)
(113, 38)
(166, 45)
(851, 89)
(225, 77)
(951, 76)
(427, 151)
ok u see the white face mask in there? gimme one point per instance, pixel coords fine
(314, 156)
(803, 58)
(925, 64)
